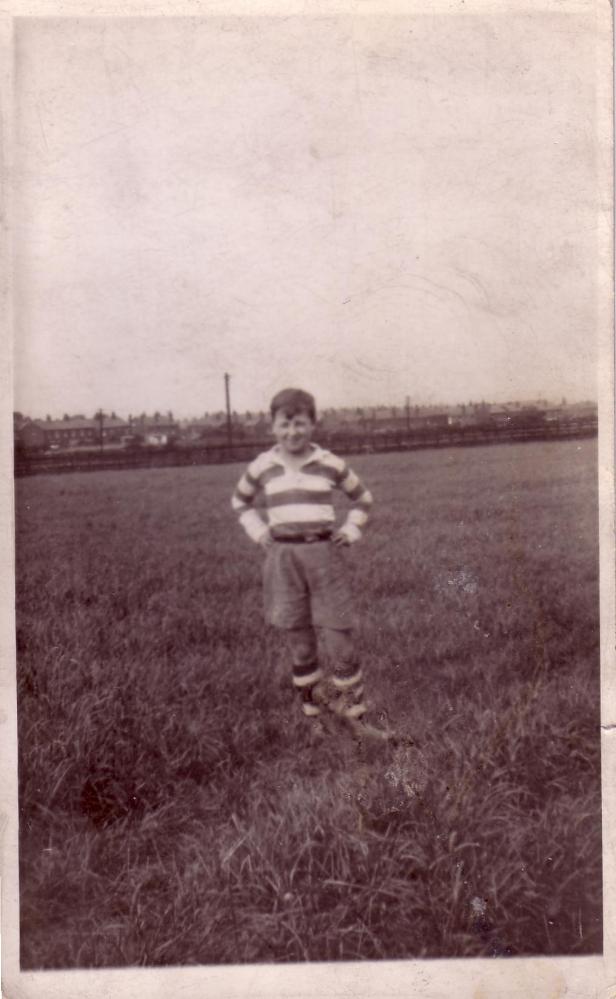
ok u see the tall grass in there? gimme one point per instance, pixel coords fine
(175, 807)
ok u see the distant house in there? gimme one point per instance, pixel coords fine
(191, 430)
(208, 428)
(499, 416)
(383, 420)
(582, 410)
(462, 416)
(114, 428)
(430, 420)
(530, 416)
(338, 420)
(156, 430)
(29, 435)
(386, 423)
(255, 424)
(412, 421)
(70, 432)
(19, 422)
(156, 439)
(212, 428)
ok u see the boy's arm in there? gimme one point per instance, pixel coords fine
(242, 501)
(361, 499)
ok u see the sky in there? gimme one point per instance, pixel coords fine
(369, 207)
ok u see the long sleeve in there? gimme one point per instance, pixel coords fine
(242, 501)
(361, 498)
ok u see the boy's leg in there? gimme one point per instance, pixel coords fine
(348, 682)
(287, 607)
(306, 672)
(347, 676)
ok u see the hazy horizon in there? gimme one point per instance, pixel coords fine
(73, 413)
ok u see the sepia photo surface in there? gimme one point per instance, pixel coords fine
(309, 700)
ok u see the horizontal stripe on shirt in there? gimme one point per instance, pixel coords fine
(311, 483)
(289, 496)
(243, 496)
(358, 517)
(354, 492)
(301, 513)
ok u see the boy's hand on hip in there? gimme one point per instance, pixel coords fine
(340, 540)
(266, 540)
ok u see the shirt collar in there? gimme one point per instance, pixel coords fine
(315, 455)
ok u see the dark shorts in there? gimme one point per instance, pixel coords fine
(307, 584)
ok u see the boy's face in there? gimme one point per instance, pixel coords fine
(293, 433)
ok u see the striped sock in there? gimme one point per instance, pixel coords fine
(349, 703)
(305, 678)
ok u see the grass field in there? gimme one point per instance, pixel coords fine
(174, 807)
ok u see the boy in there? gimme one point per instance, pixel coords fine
(304, 575)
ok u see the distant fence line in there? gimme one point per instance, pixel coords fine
(343, 443)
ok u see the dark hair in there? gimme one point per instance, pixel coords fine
(293, 401)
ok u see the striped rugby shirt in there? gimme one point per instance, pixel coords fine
(299, 500)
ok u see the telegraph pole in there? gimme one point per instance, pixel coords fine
(408, 413)
(100, 415)
(228, 402)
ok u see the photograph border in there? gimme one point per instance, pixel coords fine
(538, 976)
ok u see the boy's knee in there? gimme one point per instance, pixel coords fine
(303, 645)
(341, 645)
